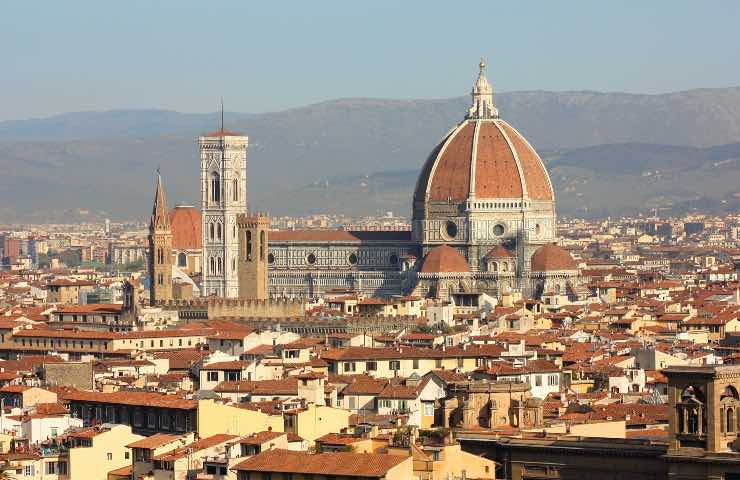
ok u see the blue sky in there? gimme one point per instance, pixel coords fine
(184, 55)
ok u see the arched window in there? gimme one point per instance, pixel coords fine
(249, 245)
(215, 187)
(182, 260)
(213, 266)
(494, 267)
(160, 279)
(730, 421)
(211, 233)
(235, 189)
(263, 246)
(218, 231)
(219, 266)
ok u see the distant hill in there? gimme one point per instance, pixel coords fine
(104, 161)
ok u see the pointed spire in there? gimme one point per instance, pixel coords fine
(482, 106)
(160, 215)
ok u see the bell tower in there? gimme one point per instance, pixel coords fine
(160, 248)
(253, 255)
(223, 177)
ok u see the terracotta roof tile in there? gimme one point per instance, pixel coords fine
(370, 465)
(444, 259)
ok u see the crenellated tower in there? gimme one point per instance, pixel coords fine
(253, 256)
(160, 248)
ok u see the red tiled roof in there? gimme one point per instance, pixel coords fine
(90, 308)
(371, 465)
(222, 133)
(185, 224)
(498, 252)
(143, 399)
(551, 257)
(444, 259)
(155, 441)
(338, 236)
(197, 445)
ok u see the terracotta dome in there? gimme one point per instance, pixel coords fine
(186, 228)
(484, 159)
(444, 259)
(499, 252)
(551, 258)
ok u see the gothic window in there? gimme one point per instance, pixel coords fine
(211, 231)
(249, 246)
(263, 246)
(219, 266)
(270, 258)
(182, 260)
(215, 187)
(730, 421)
(505, 267)
(212, 266)
(218, 231)
(160, 279)
(494, 267)
(235, 189)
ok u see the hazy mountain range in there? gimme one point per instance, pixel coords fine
(608, 153)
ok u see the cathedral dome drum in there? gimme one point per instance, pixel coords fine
(484, 185)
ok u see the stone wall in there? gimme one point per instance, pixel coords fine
(208, 308)
(69, 374)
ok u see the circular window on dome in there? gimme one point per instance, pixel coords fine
(498, 230)
(270, 258)
(451, 229)
(352, 259)
(311, 258)
(393, 259)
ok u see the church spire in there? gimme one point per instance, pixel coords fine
(160, 217)
(482, 106)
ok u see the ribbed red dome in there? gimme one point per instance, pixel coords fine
(506, 166)
(551, 258)
(444, 259)
(186, 228)
(498, 252)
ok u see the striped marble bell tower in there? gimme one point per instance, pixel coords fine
(223, 179)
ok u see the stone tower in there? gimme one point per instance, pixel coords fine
(253, 256)
(160, 248)
(703, 406)
(223, 179)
